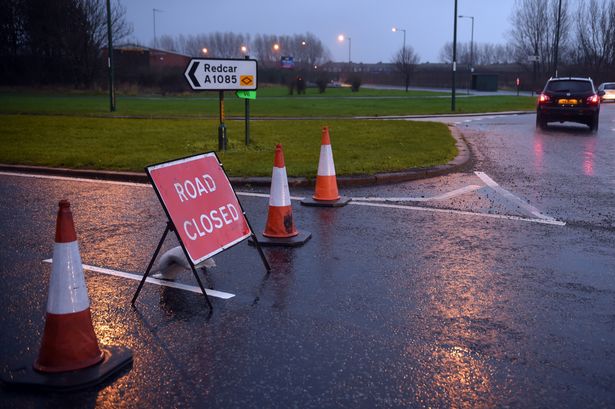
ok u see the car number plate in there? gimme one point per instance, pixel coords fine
(568, 102)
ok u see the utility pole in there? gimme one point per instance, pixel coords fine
(454, 56)
(559, 18)
(110, 65)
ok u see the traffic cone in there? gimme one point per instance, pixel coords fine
(280, 228)
(326, 193)
(69, 356)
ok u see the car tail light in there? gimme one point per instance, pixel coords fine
(593, 100)
(543, 98)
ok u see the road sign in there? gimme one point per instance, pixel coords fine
(209, 74)
(246, 94)
(201, 203)
(533, 58)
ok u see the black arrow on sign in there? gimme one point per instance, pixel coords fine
(195, 65)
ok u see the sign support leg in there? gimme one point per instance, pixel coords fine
(198, 280)
(222, 141)
(258, 245)
(151, 263)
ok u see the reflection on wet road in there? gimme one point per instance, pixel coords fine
(389, 305)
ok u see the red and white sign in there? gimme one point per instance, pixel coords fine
(201, 203)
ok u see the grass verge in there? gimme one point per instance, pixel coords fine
(359, 146)
(269, 103)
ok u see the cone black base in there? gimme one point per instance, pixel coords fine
(116, 358)
(295, 241)
(342, 201)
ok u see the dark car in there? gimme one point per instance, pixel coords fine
(568, 99)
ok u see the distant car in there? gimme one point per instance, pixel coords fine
(569, 99)
(609, 91)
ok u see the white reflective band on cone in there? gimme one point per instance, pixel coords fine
(280, 196)
(67, 290)
(326, 167)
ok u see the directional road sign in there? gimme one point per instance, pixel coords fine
(210, 74)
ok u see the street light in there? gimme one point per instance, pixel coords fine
(276, 47)
(244, 49)
(205, 50)
(403, 53)
(471, 43)
(341, 39)
(154, 11)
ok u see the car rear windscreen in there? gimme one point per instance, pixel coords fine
(569, 86)
(609, 86)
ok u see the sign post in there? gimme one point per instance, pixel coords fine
(211, 74)
(202, 209)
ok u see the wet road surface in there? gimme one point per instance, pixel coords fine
(498, 291)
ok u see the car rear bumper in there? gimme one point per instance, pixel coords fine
(574, 114)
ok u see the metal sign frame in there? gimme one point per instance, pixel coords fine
(170, 226)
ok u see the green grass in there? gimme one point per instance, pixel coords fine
(271, 102)
(359, 146)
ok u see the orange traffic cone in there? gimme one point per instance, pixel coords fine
(70, 357)
(280, 228)
(326, 193)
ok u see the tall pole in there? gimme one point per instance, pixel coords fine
(247, 114)
(454, 57)
(349, 47)
(110, 65)
(472, 47)
(559, 17)
(154, 14)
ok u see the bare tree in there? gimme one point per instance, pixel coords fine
(534, 28)
(405, 61)
(596, 34)
(168, 43)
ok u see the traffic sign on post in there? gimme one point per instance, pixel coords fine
(201, 203)
(209, 74)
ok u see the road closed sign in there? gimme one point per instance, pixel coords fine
(208, 74)
(201, 203)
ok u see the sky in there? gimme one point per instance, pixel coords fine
(368, 23)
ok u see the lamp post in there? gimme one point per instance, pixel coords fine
(471, 48)
(110, 60)
(341, 39)
(454, 57)
(154, 11)
(559, 18)
(204, 50)
(403, 56)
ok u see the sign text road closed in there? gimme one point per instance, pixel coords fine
(201, 203)
(221, 75)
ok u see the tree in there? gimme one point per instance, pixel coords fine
(57, 41)
(405, 62)
(534, 28)
(596, 34)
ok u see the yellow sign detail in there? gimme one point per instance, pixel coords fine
(246, 80)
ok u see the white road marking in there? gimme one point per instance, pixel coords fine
(466, 213)
(515, 199)
(110, 182)
(542, 219)
(151, 280)
(444, 196)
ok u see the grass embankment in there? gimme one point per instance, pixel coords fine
(271, 102)
(360, 147)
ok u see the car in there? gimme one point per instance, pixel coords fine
(571, 99)
(609, 91)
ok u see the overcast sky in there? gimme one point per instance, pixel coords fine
(428, 23)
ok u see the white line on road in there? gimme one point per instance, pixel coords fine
(444, 196)
(515, 199)
(110, 182)
(541, 219)
(466, 213)
(151, 280)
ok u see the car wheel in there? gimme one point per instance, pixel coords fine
(540, 122)
(593, 125)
